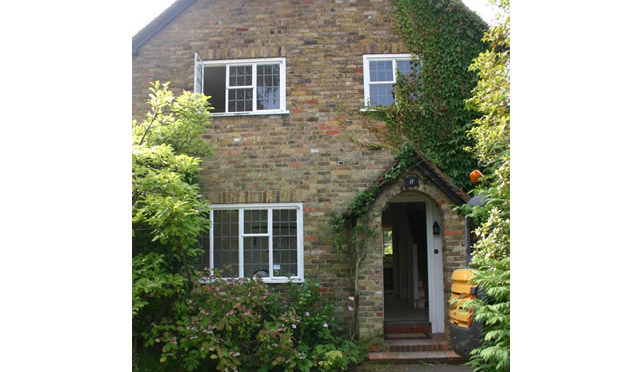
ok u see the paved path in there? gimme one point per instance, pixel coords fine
(413, 368)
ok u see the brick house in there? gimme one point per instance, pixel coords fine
(288, 81)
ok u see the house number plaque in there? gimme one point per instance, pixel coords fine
(411, 181)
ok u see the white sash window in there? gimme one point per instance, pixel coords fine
(380, 71)
(243, 86)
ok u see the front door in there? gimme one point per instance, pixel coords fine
(434, 268)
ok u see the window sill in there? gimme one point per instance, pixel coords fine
(275, 280)
(216, 114)
(368, 109)
(282, 280)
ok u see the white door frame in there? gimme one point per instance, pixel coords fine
(434, 270)
(435, 276)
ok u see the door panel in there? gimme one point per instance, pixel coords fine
(434, 262)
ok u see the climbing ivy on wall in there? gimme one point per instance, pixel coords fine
(429, 110)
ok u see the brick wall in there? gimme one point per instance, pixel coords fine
(305, 156)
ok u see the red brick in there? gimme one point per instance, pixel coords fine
(311, 101)
(310, 209)
(310, 238)
(296, 111)
(332, 132)
(452, 232)
(295, 165)
(356, 70)
(241, 29)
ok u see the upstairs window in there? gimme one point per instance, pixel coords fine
(242, 86)
(266, 240)
(380, 71)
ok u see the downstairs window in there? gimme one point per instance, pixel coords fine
(266, 240)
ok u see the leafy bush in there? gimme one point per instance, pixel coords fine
(167, 207)
(491, 132)
(242, 325)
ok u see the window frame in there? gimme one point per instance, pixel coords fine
(366, 58)
(270, 207)
(198, 82)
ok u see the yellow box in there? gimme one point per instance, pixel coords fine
(461, 290)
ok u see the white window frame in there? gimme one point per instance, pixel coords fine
(365, 71)
(269, 207)
(198, 82)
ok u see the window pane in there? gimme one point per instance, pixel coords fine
(240, 100)
(407, 66)
(256, 256)
(381, 71)
(268, 89)
(380, 94)
(240, 76)
(214, 86)
(404, 67)
(225, 242)
(203, 261)
(285, 247)
(255, 221)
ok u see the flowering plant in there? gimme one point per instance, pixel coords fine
(242, 324)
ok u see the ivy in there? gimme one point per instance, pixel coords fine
(429, 110)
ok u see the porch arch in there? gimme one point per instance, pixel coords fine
(451, 248)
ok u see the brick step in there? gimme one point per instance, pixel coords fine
(448, 356)
(412, 328)
(406, 323)
(418, 344)
(393, 336)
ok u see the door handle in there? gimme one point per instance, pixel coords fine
(435, 251)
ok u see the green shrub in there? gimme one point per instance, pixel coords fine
(168, 211)
(491, 133)
(244, 325)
